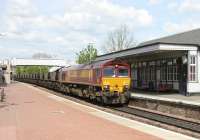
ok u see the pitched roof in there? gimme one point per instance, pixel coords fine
(191, 37)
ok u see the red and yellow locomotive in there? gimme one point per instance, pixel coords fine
(107, 81)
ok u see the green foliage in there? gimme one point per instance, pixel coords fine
(86, 55)
(31, 69)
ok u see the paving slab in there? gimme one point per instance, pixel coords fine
(33, 114)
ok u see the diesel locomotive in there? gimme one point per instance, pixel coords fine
(105, 81)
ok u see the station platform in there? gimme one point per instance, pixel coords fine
(194, 99)
(29, 113)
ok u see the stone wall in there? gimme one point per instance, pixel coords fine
(171, 108)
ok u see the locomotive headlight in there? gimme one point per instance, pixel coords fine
(126, 86)
(106, 87)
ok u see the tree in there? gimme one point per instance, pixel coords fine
(41, 56)
(86, 55)
(31, 69)
(119, 39)
(19, 70)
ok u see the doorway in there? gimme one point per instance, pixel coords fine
(182, 70)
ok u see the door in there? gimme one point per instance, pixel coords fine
(182, 70)
(157, 78)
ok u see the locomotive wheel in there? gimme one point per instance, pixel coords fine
(91, 99)
(104, 100)
(98, 99)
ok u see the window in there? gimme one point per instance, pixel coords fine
(175, 73)
(169, 73)
(163, 73)
(192, 68)
(122, 72)
(152, 74)
(158, 63)
(134, 74)
(147, 74)
(110, 72)
(174, 61)
(152, 63)
(139, 64)
(139, 74)
(143, 73)
(144, 64)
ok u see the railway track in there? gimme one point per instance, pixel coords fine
(163, 118)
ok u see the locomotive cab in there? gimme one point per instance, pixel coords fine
(116, 80)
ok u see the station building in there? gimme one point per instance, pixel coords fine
(166, 64)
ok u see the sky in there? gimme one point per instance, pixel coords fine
(62, 28)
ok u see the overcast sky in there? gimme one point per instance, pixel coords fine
(63, 27)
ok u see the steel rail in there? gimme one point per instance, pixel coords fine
(167, 119)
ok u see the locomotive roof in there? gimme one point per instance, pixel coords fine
(93, 64)
(98, 64)
(80, 66)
